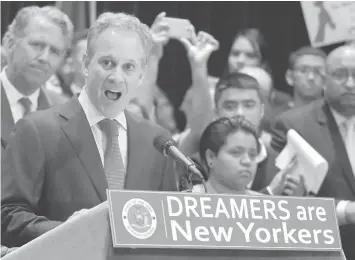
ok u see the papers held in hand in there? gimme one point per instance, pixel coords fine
(311, 165)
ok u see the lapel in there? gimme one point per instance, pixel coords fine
(136, 151)
(79, 133)
(325, 117)
(7, 121)
(259, 175)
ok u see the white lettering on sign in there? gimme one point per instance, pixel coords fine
(202, 207)
(285, 234)
(257, 220)
(201, 233)
(307, 213)
(178, 211)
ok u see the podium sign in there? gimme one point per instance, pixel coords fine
(195, 221)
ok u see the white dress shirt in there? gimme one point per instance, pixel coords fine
(13, 96)
(94, 117)
(75, 89)
(348, 136)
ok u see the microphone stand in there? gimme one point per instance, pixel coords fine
(190, 185)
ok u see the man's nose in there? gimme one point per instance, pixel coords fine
(350, 83)
(116, 76)
(311, 75)
(44, 54)
(239, 111)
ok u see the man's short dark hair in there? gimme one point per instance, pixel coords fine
(237, 81)
(306, 50)
(81, 35)
(78, 36)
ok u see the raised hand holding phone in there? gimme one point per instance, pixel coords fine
(160, 33)
(178, 27)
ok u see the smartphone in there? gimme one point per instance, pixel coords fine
(178, 28)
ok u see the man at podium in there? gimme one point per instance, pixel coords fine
(62, 160)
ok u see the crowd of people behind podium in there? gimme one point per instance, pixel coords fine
(236, 125)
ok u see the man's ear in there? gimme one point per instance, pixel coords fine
(86, 62)
(9, 44)
(289, 78)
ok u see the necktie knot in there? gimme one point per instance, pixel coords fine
(26, 104)
(109, 127)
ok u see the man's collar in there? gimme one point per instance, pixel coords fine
(93, 115)
(12, 94)
(75, 89)
(340, 119)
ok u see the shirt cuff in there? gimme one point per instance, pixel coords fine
(269, 191)
(340, 209)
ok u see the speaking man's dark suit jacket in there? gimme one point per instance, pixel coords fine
(316, 124)
(52, 168)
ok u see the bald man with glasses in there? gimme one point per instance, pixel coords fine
(329, 126)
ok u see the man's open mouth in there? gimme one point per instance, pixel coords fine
(111, 95)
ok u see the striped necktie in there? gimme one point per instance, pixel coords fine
(26, 104)
(113, 165)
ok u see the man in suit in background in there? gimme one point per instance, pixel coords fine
(329, 127)
(61, 160)
(35, 43)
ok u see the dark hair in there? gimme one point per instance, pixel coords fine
(78, 36)
(216, 133)
(257, 40)
(306, 50)
(238, 81)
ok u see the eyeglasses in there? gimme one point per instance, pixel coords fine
(342, 75)
(305, 71)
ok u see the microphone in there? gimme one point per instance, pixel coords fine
(167, 146)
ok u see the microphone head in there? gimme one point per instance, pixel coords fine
(162, 142)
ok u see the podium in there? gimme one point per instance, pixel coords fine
(88, 236)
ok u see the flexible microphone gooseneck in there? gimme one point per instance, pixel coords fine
(167, 146)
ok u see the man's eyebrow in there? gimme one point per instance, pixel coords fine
(230, 101)
(107, 56)
(248, 100)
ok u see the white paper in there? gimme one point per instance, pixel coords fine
(311, 165)
(329, 22)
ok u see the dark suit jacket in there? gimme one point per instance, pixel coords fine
(7, 120)
(279, 102)
(316, 124)
(52, 168)
(266, 172)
